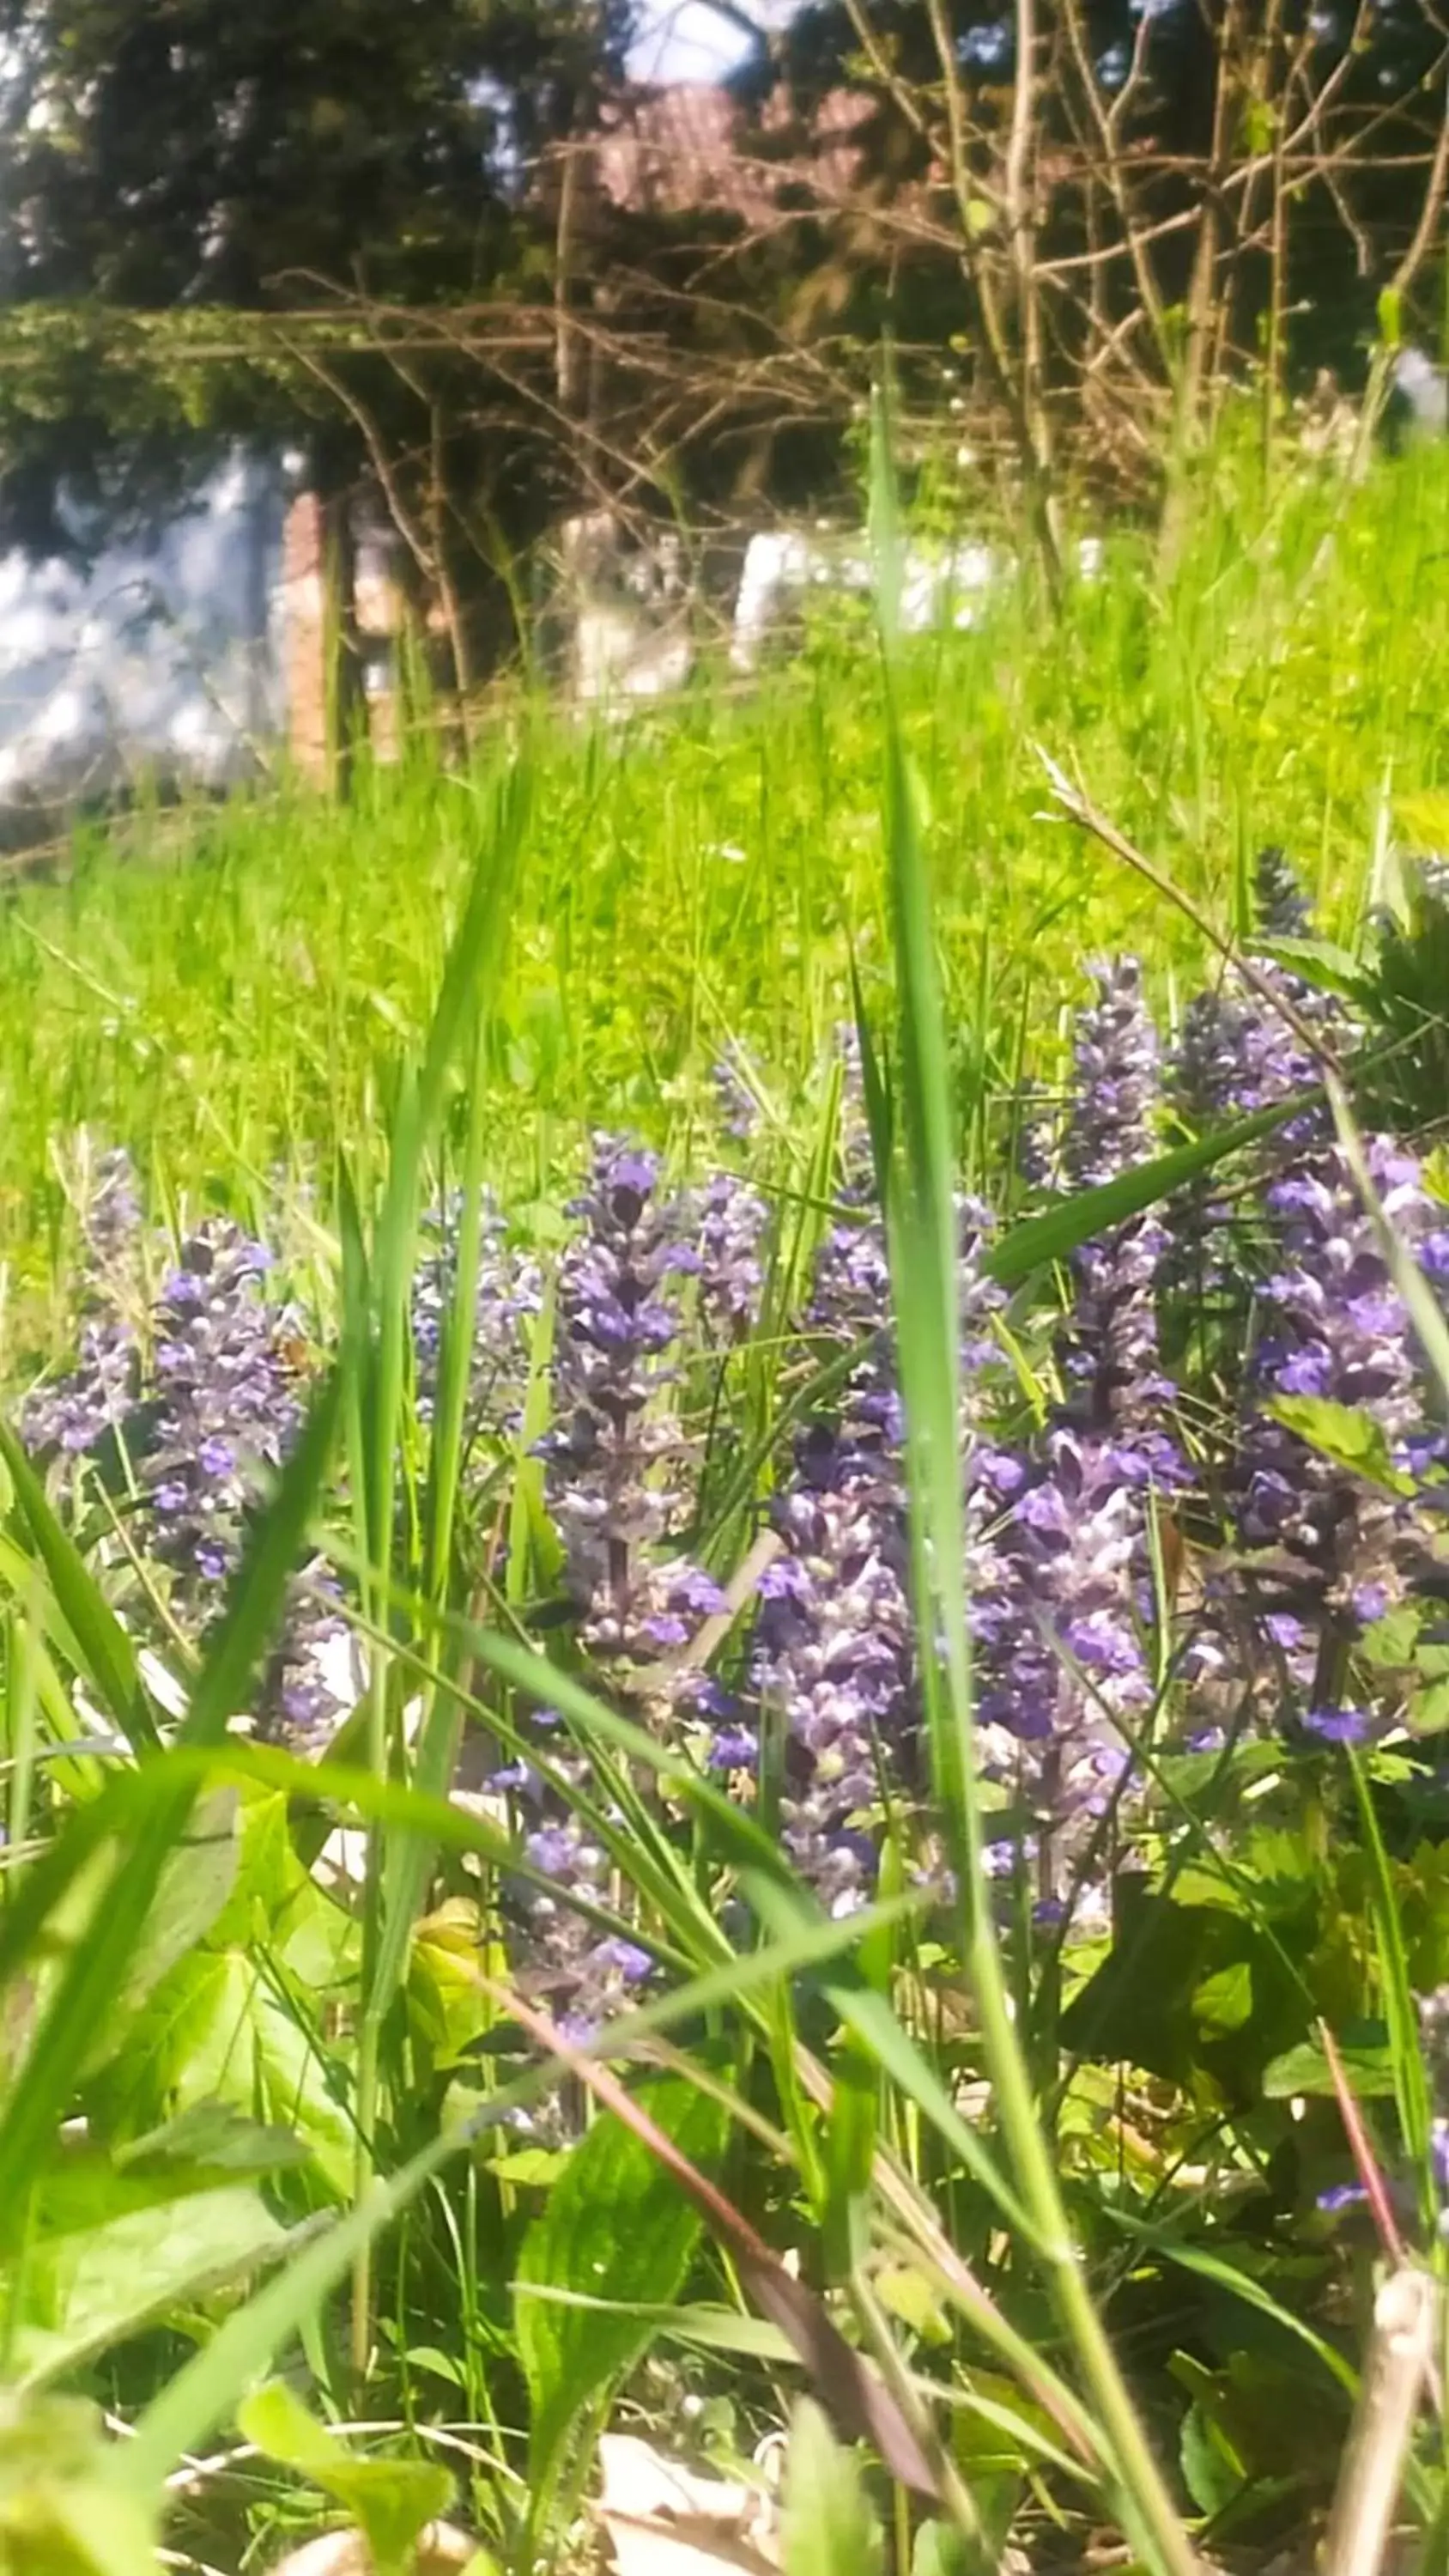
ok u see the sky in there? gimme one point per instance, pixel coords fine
(685, 40)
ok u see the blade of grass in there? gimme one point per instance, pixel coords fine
(108, 1659)
(471, 975)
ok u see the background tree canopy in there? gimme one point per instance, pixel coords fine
(393, 237)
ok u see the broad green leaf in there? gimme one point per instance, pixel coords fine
(391, 2501)
(77, 2528)
(827, 2524)
(197, 1877)
(209, 2150)
(617, 2226)
(1224, 2001)
(82, 2292)
(1428, 1710)
(1320, 962)
(1211, 2469)
(909, 2294)
(712, 2329)
(216, 2034)
(941, 2550)
(196, 2398)
(250, 2049)
(1305, 2070)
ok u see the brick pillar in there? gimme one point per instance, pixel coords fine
(304, 630)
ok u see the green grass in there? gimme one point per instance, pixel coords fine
(304, 1014)
(234, 1004)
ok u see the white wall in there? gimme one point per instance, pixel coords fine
(163, 657)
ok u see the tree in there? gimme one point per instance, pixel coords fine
(1138, 205)
(215, 223)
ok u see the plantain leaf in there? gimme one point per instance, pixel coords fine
(618, 2227)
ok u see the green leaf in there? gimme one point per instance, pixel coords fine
(618, 2227)
(1341, 1432)
(80, 2528)
(827, 2524)
(908, 2293)
(246, 2046)
(81, 2292)
(1224, 2001)
(196, 2397)
(1305, 2070)
(96, 1972)
(1211, 2469)
(216, 2035)
(197, 1877)
(1428, 1710)
(942, 2550)
(391, 2501)
(59, 2516)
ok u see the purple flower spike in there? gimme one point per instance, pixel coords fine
(1111, 1349)
(1061, 1568)
(731, 1219)
(1330, 1552)
(507, 1298)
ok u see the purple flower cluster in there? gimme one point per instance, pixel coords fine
(1062, 1596)
(736, 1105)
(617, 1449)
(202, 1400)
(584, 1979)
(730, 1220)
(508, 1296)
(1236, 1052)
(1110, 1346)
(73, 1414)
(833, 1656)
(225, 1404)
(1309, 1507)
(1329, 1550)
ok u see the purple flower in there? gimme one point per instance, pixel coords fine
(731, 1219)
(735, 1102)
(732, 1748)
(1330, 1552)
(1111, 1343)
(507, 1297)
(73, 1414)
(1339, 1725)
(615, 1437)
